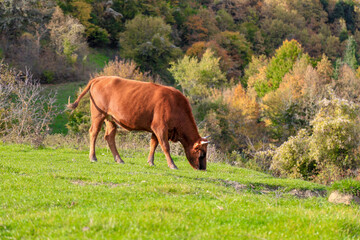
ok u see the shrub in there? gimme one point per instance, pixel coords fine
(97, 36)
(25, 110)
(330, 152)
(261, 160)
(48, 76)
(335, 135)
(198, 78)
(292, 158)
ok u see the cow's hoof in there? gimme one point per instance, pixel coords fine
(173, 167)
(93, 160)
(151, 164)
(119, 160)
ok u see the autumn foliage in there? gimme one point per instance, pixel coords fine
(257, 73)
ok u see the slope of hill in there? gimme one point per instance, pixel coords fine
(48, 193)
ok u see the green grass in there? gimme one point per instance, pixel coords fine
(64, 90)
(350, 186)
(59, 194)
(98, 60)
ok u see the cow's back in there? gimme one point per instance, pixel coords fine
(134, 104)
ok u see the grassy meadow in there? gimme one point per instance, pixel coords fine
(58, 194)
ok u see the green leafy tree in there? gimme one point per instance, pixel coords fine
(237, 47)
(350, 53)
(197, 78)
(282, 62)
(344, 9)
(224, 20)
(147, 41)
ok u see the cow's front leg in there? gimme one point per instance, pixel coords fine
(164, 143)
(153, 144)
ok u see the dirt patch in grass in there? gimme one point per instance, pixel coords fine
(279, 191)
(109, 184)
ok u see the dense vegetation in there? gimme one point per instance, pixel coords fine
(275, 83)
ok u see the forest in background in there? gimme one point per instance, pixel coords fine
(275, 83)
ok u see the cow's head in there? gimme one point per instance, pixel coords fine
(197, 156)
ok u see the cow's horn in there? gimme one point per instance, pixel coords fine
(206, 137)
(204, 142)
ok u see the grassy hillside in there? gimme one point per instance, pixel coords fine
(63, 90)
(59, 194)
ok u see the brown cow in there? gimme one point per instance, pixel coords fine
(143, 106)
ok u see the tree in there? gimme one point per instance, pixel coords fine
(195, 30)
(325, 69)
(67, 36)
(82, 11)
(350, 53)
(333, 48)
(238, 49)
(147, 41)
(291, 106)
(224, 20)
(346, 10)
(282, 62)
(198, 78)
(23, 15)
(347, 85)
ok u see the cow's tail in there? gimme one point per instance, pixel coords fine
(73, 105)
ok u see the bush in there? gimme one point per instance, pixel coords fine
(48, 76)
(330, 152)
(261, 161)
(25, 110)
(198, 78)
(292, 158)
(97, 36)
(335, 135)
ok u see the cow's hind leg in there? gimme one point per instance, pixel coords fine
(153, 144)
(110, 138)
(162, 137)
(97, 119)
